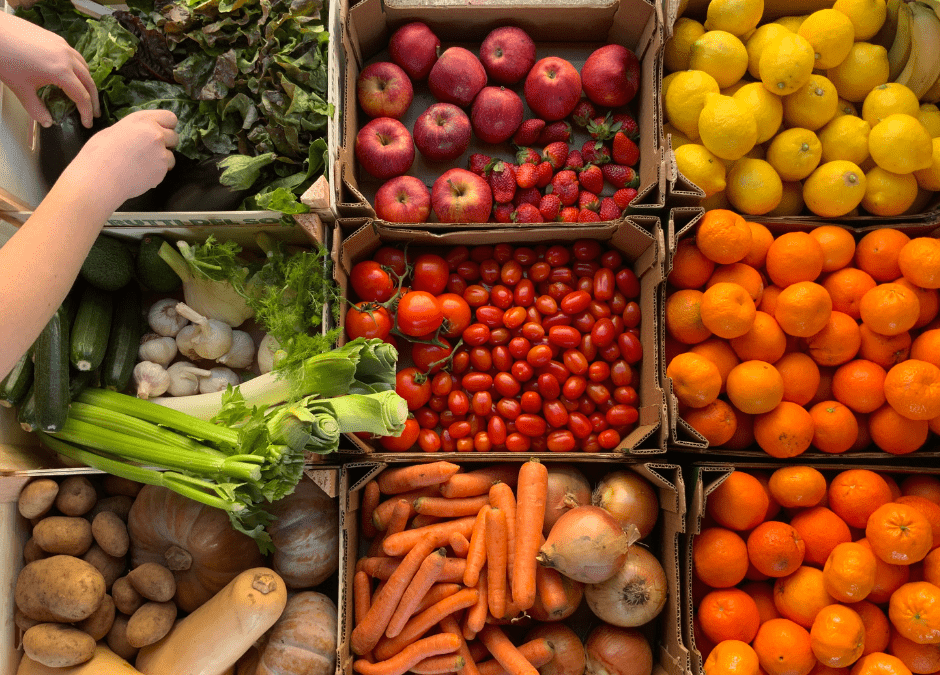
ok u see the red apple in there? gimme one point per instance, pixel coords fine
(384, 90)
(459, 196)
(403, 199)
(508, 54)
(457, 77)
(442, 132)
(413, 47)
(496, 114)
(384, 148)
(611, 76)
(552, 88)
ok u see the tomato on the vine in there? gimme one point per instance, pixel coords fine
(368, 321)
(419, 313)
(405, 440)
(456, 313)
(370, 282)
(391, 257)
(430, 273)
(426, 355)
(413, 386)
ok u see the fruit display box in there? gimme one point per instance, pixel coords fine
(634, 24)
(682, 223)
(638, 238)
(670, 656)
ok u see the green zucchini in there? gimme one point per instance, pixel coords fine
(26, 415)
(89, 334)
(79, 380)
(123, 341)
(51, 377)
(70, 304)
(15, 385)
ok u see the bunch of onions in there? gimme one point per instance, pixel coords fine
(634, 595)
(629, 498)
(567, 489)
(586, 544)
(569, 656)
(612, 650)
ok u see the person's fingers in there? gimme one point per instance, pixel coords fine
(75, 90)
(165, 118)
(171, 160)
(35, 107)
(170, 138)
(84, 75)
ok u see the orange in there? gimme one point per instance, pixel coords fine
(849, 572)
(927, 298)
(855, 494)
(719, 557)
(723, 236)
(893, 486)
(800, 377)
(784, 648)
(837, 342)
(846, 288)
(926, 347)
(761, 239)
(797, 486)
(775, 549)
(690, 268)
(803, 309)
(930, 510)
(934, 425)
(732, 657)
(921, 659)
(915, 612)
(838, 246)
(877, 626)
(741, 274)
(744, 434)
(820, 669)
(773, 507)
(700, 640)
(899, 534)
(728, 310)
(923, 486)
(768, 301)
(720, 353)
(762, 594)
(912, 388)
(786, 431)
(801, 595)
(728, 614)
(877, 253)
(864, 437)
(755, 387)
(739, 502)
(838, 636)
(834, 427)
(931, 566)
(883, 349)
(684, 317)
(716, 422)
(696, 381)
(894, 433)
(879, 663)
(889, 309)
(888, 577)
(859, 384)
(793, 257)
(919, 261)
(765, 341)
(821, 530)
(824, 390)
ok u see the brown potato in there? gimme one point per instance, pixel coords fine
(31, 551)
(115, 485)
(57, 645)
(119, 504)
(111, 533)
(117, 639)
(110, 567)
(126, 598)
(38, 497)
(61, 588)
(99, 623)
(150, 623)
(153, 581)
(63, 534)
(76, 496)
(23, 622)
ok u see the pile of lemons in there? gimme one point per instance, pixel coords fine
(770, 118)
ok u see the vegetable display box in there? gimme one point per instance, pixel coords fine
(547, 35)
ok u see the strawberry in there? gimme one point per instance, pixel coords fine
(527, 213)
(628, 125)
(557, 131)
(625, 150)
(503, 213)
(478, 164)
(527, 175)
(502, 181)
(588, 216)
(528, 132)
(620, 176)
(528, 156)
(595, 152)
(527, 196)
(602, 128)
(569, 214)
(591, 179)
(583, 113)
(555, 154)
(574, 162)
(565, 185)
(624, 196)
(609, 209)
(545, 174)
(589, 200)
(550, 207)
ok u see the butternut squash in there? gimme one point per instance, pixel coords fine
(303, 641)
(104, 662)
(305, 534)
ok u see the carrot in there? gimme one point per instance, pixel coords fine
(530, 516)
(406, 478)
(384, 510)
(449, 625)
(537, 652)
(438, 665)
(382, 567)
(370, 499)
(423, 520)
(438, 534)
(442, 643)
(367, 632)
(451, 508)
(476, 555)
(421, 623)
(436, 593)
(505, 652)
(502, 497)
(478, 651)
(476, 615)
(362, 595)
(459, 545)
(551, 590)
(511, 615)
(396, 523)
(423, 579)
(496, 538)
(478, 482)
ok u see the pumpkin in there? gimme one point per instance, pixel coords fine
(303, 641)
(305, 534)
(197, 542)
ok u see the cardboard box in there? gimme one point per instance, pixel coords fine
(670, 656)
(638, 237)
(635, 24)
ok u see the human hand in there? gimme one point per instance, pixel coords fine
(32, 57)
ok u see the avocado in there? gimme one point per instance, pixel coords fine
(109, 265)
(152, 270)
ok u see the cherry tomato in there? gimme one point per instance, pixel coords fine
(559, 290)
(533, 331)
(442, 384)
(590, 444)
(456, 313)
(459, 429)
(604, 284)
(564, 275)
(456, 255)
(482, 442)
(448, 444)
(597, 392)
(539, 271)
(460, 362)
(560, 319)
(499, 336)
(546, 304)
(490, 316)
(603, 332)
(586, 249)
(429, 440)
(501, 297)
(620, 415)
(626, 395)
(438, 403)
(476, 334)
(458, 402)
(404, 441)
(412, 385)
(631, 315)
(608, 439)
(555, 413)
(506, 385)
(391, 257)
(585, 284)
(370, 282)
(464, 445)
(489, 271)
(456, 284)
(510, 273)
(530, 425)
(481, 403)
(502, 358)
(618, 303)
(419, 313)
(531, 402)
(557, 255)
(549, 387)
(514, 317)
(496, 428)
(468, 270)
(611, 259)
(574, 386)
(575, 301)
(539, 355)
(474, 382)
(481, 252)
(598, 422)
(583, 321)
(586, 268)
(361, 321)
(448, 417)
(427, 418)
(522, 371)
(430, 273)
(476, 295)
(424, 355)
(508, 409)
(627, 282)
(525, 256)
(621, 374)
(561, 440)
(598, 371)
(579, 425)
(631, 349)
(524, 293)
(565, 337)
(481, 358)
(575, 361)
(516, 442)
(599, 310)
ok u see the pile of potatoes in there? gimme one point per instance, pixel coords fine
(75, 588)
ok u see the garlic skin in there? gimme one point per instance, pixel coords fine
(151, 378)
(184, 342)
(184, 378)
(157, 349)
(212, 338)
(218, 380)
(164, 319)
(242, 352)
(266, 351)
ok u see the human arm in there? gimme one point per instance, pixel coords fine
(40, 262)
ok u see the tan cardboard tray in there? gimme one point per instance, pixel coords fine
(638, 237)
(670, 656)
(682, 437)
(589, 24)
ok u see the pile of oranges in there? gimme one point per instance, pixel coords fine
(807, 338)
(795, 574)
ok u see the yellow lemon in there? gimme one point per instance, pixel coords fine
(737, 17)
(929, 116)
(888, 194)
(866, 16)
(786, 64)
(900, 144)
(812, 105)
(754, 188)
(667, 80)
(791, 203)
(831, 34)
(727, 127)
(756, 43)
(929, 178)
(686, 98)
(888, 99)
(834, 189)
(794, 154)
(678, 139)
(845, 137)
(845, 107)
(719, 200)
(733, 89)
(766, 108)
(791, 23)
(700, 166)
(721, 55)
(676, 51)
(862, 70)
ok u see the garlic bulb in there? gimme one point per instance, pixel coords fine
(157, 349)
(164, 319)
(184, 341)
(151, 378)
(242, 352)
(184, 378)
(218, 380)
(212, 338)
(266, 351)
